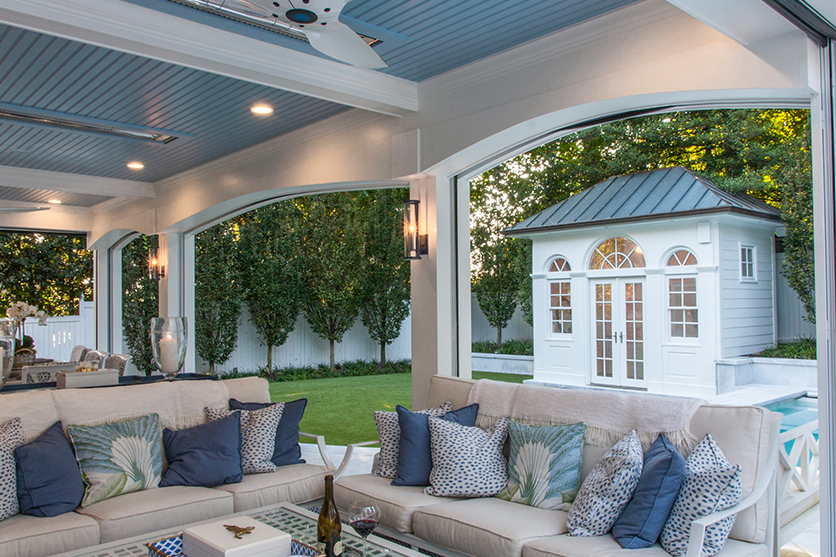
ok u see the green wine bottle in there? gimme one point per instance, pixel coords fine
(328, 527)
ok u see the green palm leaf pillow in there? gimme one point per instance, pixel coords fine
(544, 465)
(118, 457)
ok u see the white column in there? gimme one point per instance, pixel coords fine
(188, 301)
(171, 301)
(102, 280)
(434, 289)
(822, 111)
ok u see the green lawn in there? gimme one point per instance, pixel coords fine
(341, 408)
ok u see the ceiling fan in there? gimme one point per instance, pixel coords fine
(316, 20)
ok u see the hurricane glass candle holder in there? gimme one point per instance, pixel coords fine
(168, 344)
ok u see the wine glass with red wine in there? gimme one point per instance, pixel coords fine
(363, 517)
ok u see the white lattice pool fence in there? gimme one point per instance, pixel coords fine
(798, 480)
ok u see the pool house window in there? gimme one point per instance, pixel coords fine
(747, 263)
(560, 298)
(682, 298)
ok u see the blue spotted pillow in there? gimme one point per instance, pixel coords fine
(467, 461)
(711, 484)
(389, 431)
(607, 489)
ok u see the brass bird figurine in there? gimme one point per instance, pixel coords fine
(239, 531)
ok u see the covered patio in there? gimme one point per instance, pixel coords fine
(468, 86)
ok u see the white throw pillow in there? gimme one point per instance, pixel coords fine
(467, 461)
(389, 431)
(258, 435)
(11, 437)
(711, 484)
(607, 489)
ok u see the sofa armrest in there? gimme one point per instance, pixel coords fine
(764, 486)
(349, 450)
(323, 449)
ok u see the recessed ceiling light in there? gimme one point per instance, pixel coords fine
(136, 165)
(261, 110)
(55, 201)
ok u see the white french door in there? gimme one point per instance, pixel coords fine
(618, 332)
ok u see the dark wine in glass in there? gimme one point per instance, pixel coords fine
(363, 517)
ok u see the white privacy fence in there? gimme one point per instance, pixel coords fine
(57, 338)
(304, 347)
(480, 329)
(791, 322)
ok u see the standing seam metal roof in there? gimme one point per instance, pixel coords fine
(647, 195)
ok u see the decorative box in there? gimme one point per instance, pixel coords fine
(77, 379)
(215, 540)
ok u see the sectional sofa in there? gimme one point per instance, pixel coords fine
(492, 527)
(179, 405)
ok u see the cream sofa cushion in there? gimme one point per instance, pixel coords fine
(746, 444)
(156, 509)
(33, 536)
(194, 396)
(34, 408)
(102, 405)
(487, 526)
(246, 389)
(296, 483)
(606, 546)
(397, 504)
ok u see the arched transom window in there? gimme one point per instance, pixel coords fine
(559, 265)
(681, 257)
(617, 253)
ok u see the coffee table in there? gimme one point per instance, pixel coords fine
(298, 522)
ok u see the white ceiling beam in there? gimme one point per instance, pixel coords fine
(745, 21)
(134, 29)
(75, 183)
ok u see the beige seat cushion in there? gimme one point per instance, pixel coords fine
(397, 504)
(156, 509)
(745, 444)
(31, 536)
(486, 527)
(606, 546)
(297, 483)
(34, 408)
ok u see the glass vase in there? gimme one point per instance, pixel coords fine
(168, 344)
(7, 349)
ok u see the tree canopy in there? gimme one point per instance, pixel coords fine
(140, 301)
(50, 271)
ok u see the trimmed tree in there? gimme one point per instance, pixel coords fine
(217, 293)
(386, 292)
(270, 272)
(140, 304)
(333, 265)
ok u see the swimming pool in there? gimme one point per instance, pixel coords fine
(797, 412)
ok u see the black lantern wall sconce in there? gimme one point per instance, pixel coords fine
(155, 270)
(415, 244)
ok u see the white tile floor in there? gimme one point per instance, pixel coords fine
(806, 544)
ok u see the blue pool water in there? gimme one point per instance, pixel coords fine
(797, 412)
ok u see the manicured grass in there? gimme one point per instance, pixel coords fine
(341, 408)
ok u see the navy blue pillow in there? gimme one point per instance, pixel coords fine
(205, 455)
(48, 478)
(644, 517)
(415, 460)
(287, 450)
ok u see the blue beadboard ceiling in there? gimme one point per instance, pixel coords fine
(209, 113)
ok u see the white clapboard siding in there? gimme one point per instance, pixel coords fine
(57, 339)
(517, 328)
(746, 307)
(791, 322)
(305, 348)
